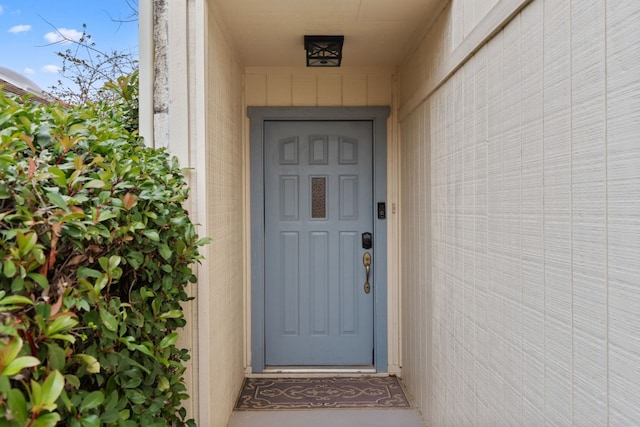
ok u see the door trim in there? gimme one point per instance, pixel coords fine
(378, 117)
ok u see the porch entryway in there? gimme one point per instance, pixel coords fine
(318, 179)
(338, 400)
(334, 418)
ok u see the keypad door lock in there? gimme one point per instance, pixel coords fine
(367, 241)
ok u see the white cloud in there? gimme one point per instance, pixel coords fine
(1, 10)
(20, 29)
(63, 35)
(29, 71)
(51, 69)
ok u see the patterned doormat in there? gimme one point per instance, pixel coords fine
(315, 393)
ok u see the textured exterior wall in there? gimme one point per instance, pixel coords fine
(450, 28)
(415, 214)
(224, 215)
(304, 87)
(533, 302)
(343, 87)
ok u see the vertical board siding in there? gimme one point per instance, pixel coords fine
(224, 121)
(557, 210)
(416, 298)
(302, 87)
(588, 89)
(532, 202)
(623, 209)
(534, 181)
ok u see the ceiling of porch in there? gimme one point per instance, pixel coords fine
(377, 32)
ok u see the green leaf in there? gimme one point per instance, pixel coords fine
(18, 405)
(91, 363)
(109, 320)
(143, 349)
(47, 420)
(169, 340)
(19, 364)
(92, 400)
(5, 385)
(110, 416)
(90, 421)
(15, 300)
(36, 393)
(9, 268)
(57, 358)
(152, 234)
(57, 200)
(204, 241)
(84, 272)
(26, 242)
(163, 384)
(63, 322)
(114, 262)
(171, 314)
(72, 216)
(4, 192)
(51, 390)
(94, 183)
(64, 337)
(39, 279)
(10, 350)
(135, 259)
(72, 380)
(59, 176)
(101, 283)
(164, 250)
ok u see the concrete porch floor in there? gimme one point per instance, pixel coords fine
(328, 417)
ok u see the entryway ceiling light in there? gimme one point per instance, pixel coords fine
(323, 51)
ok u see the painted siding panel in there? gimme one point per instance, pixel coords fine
(495, 296)
(417, 295)
(256, 89)
(589, 202)
(535, 220)
(512, 224)
(532, 202)
(479, 310)
(557, 211)
(224, 176)
(279, 90)
(303, 91)
(379, 89)
(354, 90)
(623, 209)
(329, 89)
(308, 87)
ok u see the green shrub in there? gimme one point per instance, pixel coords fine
(95, 255)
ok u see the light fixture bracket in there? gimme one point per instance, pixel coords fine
(323, 51)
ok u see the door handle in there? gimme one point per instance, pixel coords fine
(366, 260)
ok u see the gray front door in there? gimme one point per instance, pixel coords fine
(318, 201)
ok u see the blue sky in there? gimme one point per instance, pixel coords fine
(28, 28)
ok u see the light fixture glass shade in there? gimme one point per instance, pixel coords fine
(323, 51)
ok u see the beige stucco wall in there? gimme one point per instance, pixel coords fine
(526, 306)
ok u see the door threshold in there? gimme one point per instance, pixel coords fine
(316, 370)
